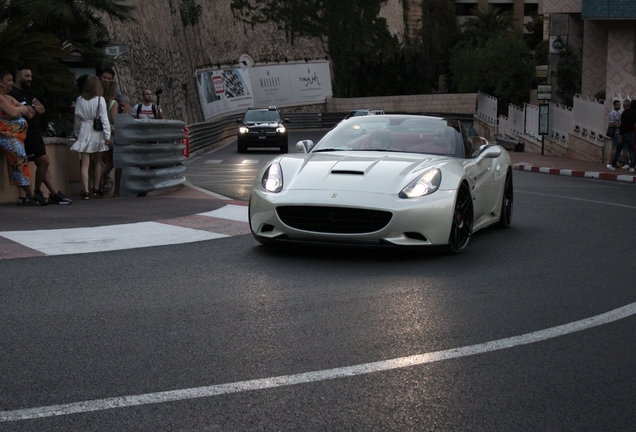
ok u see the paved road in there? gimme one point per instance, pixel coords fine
(532, 329)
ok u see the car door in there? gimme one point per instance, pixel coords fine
(483, 174)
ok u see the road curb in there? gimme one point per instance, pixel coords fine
(576, 173)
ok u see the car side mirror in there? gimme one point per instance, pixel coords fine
(287, 120)
(239, 121)
(304, 146)
(488, 152)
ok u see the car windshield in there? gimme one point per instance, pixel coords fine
(258, 116)
(394, 133)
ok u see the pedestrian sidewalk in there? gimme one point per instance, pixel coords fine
(535, 162)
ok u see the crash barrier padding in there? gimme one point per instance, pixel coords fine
(149, 152)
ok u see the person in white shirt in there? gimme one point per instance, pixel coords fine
(147, 109)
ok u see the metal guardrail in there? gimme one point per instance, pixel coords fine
(219, 131)
(149, 152)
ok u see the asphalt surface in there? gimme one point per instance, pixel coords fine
(531, 329)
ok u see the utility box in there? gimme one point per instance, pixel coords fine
(150, 154)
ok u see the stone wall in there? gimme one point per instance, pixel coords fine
(431, 103)
(162, 53)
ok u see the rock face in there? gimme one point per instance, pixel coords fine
(164, 53)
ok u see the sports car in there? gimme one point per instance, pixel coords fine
(397, 180)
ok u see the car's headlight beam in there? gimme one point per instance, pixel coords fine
(243, 130)
(272, 180)
(426, 184)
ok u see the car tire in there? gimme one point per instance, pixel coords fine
(462, 222)
(505, 218)
(284, 149)
(242, 148)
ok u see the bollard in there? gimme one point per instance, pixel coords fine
(149, 152)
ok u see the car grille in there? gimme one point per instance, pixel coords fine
(333, 220)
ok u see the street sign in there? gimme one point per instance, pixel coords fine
(115, 50)
(544, 92)
(544, 119)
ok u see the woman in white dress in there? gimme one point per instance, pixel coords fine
(91, 143)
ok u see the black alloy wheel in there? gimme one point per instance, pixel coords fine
(462, 225)
(505, 219)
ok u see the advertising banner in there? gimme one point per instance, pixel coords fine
(310, 83)
(224, 91)
(291, 84)
(233, 90)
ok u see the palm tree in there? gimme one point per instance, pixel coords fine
(486, 23)
(77, 24)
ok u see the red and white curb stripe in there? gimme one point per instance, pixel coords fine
(226, 221)
(576, 173)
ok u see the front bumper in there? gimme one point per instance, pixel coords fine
(255, 139)
(424, 221)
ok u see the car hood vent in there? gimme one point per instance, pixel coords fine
(347, 172)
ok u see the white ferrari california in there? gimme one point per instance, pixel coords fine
(399, 180)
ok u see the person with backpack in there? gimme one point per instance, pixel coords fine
(147, 109)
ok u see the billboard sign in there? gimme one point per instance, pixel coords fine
(224, 91)
(266, 85)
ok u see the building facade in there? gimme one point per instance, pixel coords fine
(604, 32)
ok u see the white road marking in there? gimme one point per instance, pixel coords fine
(231, 212)
(579, 199)
(213, 161)
(107, 238)
(205, 191)
(250, 161)
(307, 377)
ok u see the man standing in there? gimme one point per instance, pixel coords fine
(614, 121)
(108, 74)
(147, 109)
(626, 135)
(34, 143)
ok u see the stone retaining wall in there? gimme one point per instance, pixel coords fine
(431, 103)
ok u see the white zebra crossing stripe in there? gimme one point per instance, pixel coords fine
(187, 229)
(107, 238)
(232, 212)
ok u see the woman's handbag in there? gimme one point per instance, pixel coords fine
(97, 122)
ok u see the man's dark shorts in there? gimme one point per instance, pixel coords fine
(34, 147)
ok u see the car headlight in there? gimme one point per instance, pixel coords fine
(426, 184)
(280, 129)
(243, 130)
(273, 178)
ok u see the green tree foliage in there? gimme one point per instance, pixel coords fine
(367, 60)
(53, 80)
(493, 57)
(45, 34)
(77, 24)
(568, 75)
(439, 34)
